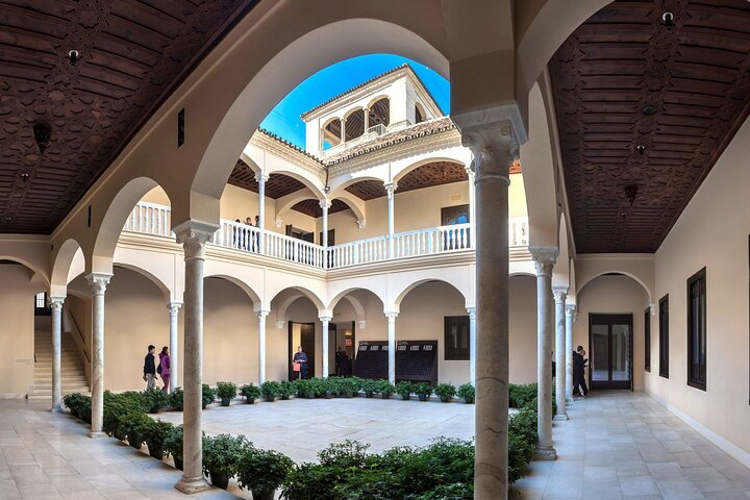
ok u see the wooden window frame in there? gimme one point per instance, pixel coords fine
(664, 337)
(449, 354)
(697, 339)
(647, 336)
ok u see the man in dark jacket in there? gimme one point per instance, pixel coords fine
(149, 369)
(579, 379)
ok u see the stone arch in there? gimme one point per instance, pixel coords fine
(252, 90)
(163, 288)
(383, 109)
(67, 254)
(414, 284)
(344, 294)
(561, 271)
(426, 161)
(350, 130)
(290, 200)
(359, 309)
(28, 265)
(254, 297)
(114, 220)
(313, 184)
(303, 292)
(330, 132)
(251, 162)
(356, 205)
(419, 113)
(341, 182)
(616, 271)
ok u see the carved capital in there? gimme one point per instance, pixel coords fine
(571, 311)
(325, 319)
(560, 293)
(362, 324)
(544, 259)
(278, 222)
(261, 178)
(56, 303)
(472, 313)
(193, 236)
(325, 204)
(280, 325)
(390, 188)
(361, 223)
(174, 308)
(98, 282)
(262, 313)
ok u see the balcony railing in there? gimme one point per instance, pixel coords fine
(154, 219)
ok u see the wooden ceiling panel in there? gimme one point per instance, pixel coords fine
(133, 54)
(277, 185)
(624, 79)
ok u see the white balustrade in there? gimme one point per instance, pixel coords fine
(150, 218)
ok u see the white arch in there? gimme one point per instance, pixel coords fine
(285, 203)
(62, 268)
(356, 204)
(163, 288)
(252, 295)
(339, 184)
(303, 292)
(345, 294)
(31, 267)
(359, 310)
(624, 273)
(449, 156)
(561, 271)
(414, 284)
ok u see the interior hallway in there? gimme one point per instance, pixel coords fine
(624, 445)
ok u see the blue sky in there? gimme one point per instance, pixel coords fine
(284, 119)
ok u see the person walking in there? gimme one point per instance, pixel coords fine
(149, 369)
(339, 352)
(301, 358)
(163, 368)
(579, 378)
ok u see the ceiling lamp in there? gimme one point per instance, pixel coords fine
(42, 135)
(649, 110)
(73, 57)
(668, 20)
(631, 191)
(640, 148)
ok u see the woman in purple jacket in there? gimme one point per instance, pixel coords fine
(164, 366)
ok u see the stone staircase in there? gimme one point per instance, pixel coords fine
(72, 370)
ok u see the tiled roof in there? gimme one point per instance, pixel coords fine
(289, 144)
(413, 132)
(363, 84)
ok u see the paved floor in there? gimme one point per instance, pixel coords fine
(616, 446)
(623, 445)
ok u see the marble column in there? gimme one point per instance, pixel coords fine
(262, 315)
(544, 261)
(472, 345)
(193, 236)
(472, 205)
(325, 204)
(493, 134)
(325, 321)
(390, 189)
(560, 294)
(391, 346)
(98, 283)
(261, 178)
(174, 348)
(570, 313)
(56, 304)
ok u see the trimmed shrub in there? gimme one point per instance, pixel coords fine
(446, 392)
(404, 389)
(176, 399)
(207, 396)
(270, 390)
(251, 392)
(467, 393)
(221, 454)
(262, 471)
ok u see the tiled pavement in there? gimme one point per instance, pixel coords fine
(616, 446)
(623, 445)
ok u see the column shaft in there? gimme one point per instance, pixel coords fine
(174, 355)
(262, 315)
(325, 322)
(544, 260)
(261, 178)
(98, 283)
(391, 190)
(391, 347)
(56, 304)
(472, 345)
(193, 236)
(560, 380)
(570, 310)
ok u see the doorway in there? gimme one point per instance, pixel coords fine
(343, 338)
(302, 334)
(611, 356)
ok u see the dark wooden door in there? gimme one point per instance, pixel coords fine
(611, 351)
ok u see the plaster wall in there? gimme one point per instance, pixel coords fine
(614, 295)
(522, 305)
(17, 329)
(712, 232)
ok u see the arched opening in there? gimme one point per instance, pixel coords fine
(355, 124)
(419, 113)
(357, 321)
(330, 135)
(379, 113)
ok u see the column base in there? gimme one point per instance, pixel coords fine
(561, 417)
(545, 454)
(569, 400)
(57, 409)
(97, 434)
(190, 486)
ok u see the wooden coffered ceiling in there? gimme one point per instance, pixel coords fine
(133, 54)
(432, 174)
(645, 107)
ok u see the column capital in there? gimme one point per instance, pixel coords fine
(98, 282)
(262, 313)
(390, 188)
(261, 178)
(391, 315)
(278, 222)
(362, 324)
(544, 259)
(571, 310)
(325, 319)
(472, 312)
(653, 308)
(325, 204)
(361, 223)
(56, 303)
(174, 307)
(560, 293)
(193, 236)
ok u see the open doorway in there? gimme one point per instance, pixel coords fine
(342, 338)
(611, 357)
(302, 335)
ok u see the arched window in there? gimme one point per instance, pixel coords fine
(355, 124)
(380, 112)
(419, 114)
(330, 134)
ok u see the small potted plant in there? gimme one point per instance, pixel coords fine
(156, 400)
(300, 385)
(286, 390)
(423, 391)
(370, 387)
(226, 391)
(329, 386)
(262, 471)
(357, 385)
(446, 392)
(154, 434)
(404, 389)
(133, 426)
(173, 445)
(270, 390)
(384, 388)
(466, 391)
(207, 396)
(317, 386)
(176, 399)
(250, 392)
(220, 457)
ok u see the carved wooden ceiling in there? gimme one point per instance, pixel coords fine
(646, 103)
(132, 55)
(313, 209)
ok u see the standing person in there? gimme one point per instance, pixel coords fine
(149, 369)
(339, 351)
(579, 378)
(301, 358)
(163, 369)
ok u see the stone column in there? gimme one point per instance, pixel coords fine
(391, 346)
(570, 313)
(343, 130)
(544, 261)
(472, 345)
(325, 320)
(560, 380)
(261, 178)
(472, 209)
(262, 315)
(193, 236)
(390, 189)
(493, 134)
(174, 348)
(56, 304)
(98, 283)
